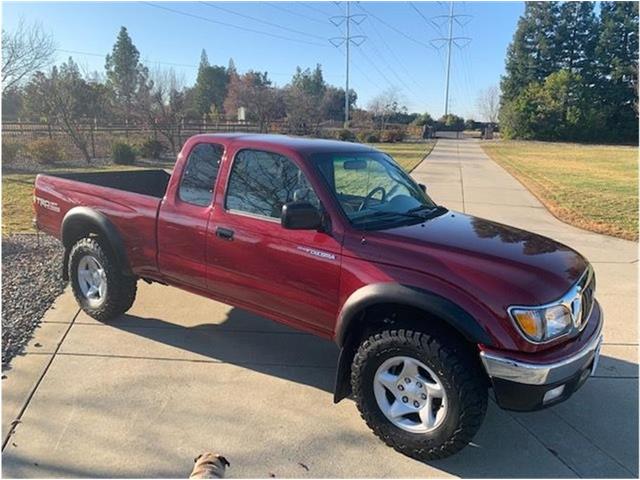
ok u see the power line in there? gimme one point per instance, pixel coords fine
(238, 27)
(292, 12)
(171, 64)
(422, 15)
(395, 58)
(265, 22)
(306, 4)
(382, 74)
(390, 68)
(103, 55)
(391, 27)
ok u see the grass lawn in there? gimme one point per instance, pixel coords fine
(594, 187)
(408, 155)
(17, 189)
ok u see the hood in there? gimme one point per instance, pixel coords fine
(489, 260)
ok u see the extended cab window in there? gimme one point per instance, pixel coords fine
(262, 182)
(200, 174)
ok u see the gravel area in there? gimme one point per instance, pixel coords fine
(31, 281)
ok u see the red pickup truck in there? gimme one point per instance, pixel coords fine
(431, 308)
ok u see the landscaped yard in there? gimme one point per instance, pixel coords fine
(17, 188)
(594, 187)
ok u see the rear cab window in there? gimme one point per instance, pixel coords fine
(200, 174)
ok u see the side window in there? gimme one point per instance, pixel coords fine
(262, 182)
(200, 173)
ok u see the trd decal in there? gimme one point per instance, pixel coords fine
(53, 206)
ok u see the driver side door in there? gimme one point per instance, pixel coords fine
(292, 275)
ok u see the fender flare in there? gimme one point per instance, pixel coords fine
(85, 219)
(430, 302)
(378, 293)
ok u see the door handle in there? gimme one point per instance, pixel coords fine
(224, 233)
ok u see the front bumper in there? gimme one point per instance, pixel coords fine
(526, 386)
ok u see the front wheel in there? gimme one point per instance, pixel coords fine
(99, 286)
(422, 394)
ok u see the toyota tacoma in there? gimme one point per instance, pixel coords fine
(432, 309)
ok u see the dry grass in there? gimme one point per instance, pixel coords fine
(594, 187)
(408, 155)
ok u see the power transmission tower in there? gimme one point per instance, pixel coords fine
(450, 40)
(347, 40)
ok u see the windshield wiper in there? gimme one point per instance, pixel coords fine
(386, 214)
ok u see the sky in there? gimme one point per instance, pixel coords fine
(400, 49)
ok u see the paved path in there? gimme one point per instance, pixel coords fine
(181, 374)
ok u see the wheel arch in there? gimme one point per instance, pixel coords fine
(373, 306)
(80, 222)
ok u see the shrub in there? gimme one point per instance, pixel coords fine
(45, 151)
(368, 136)
(152, 149)
(10, 151)
(393, 135)
(346, 135)
(123, 154)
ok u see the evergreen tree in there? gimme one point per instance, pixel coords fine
(533, 54)
(617, 59)
(125, 73)
(231, 68)
(204, 60)
(305, 97)
(577, 36)
(211, 86)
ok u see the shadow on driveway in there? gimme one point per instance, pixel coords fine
(247, 340)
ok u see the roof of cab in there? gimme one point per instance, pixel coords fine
(302, 145)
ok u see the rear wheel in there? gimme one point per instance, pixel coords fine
(100, 288)
(421, 393)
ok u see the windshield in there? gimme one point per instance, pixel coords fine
(373, 191)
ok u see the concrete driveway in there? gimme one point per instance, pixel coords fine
(181, 374)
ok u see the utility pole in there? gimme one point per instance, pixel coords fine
(449, 43)
(348, 39)
(346, 88)
(450, 40)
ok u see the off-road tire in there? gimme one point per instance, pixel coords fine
(457, 369)
(121, 288)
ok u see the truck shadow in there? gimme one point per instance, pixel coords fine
(247, 340)
(549, 443)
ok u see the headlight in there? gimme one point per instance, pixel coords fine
(542, 324)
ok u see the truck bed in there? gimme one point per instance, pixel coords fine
(152, 183)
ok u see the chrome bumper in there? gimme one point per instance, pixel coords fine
(543, 374)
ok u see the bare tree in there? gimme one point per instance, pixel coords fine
(488, 103)
(385, 105)
(166, 104)
(24, 51)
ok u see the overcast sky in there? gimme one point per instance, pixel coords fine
(400, 48)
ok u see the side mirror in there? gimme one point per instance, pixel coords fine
(300, 216)
(423, 187)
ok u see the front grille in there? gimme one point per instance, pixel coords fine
(588, 293)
